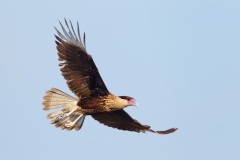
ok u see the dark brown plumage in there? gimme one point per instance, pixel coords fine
(122, 120)
(84, 80)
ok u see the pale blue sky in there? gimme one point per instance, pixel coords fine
(179, 59)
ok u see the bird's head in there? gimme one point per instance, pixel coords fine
(130, 101)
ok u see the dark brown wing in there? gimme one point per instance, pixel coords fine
(78, 67)
(123, 121)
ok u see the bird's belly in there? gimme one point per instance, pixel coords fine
(100, 104)
(94, 110)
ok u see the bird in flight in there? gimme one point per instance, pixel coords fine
(93, 98)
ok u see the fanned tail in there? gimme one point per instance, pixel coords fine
(66, 118)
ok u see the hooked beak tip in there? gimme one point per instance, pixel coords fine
(136, 105)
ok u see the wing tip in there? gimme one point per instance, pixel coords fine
(171, 130)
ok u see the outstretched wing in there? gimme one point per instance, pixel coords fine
(123, 121)
(77, 66)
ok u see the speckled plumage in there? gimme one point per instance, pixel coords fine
(84, 80)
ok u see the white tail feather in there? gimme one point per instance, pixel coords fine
(79, 123)
(66, 118)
